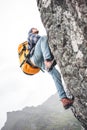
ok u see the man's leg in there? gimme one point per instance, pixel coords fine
(47, 55)
(42, 53)
(58, 83)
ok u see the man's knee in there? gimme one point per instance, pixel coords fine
(44, 38)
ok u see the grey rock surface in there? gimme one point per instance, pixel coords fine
(65, 22)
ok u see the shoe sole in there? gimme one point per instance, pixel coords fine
(68, 106)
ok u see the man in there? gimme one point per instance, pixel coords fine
(42, 57)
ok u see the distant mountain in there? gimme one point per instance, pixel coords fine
(48, 116)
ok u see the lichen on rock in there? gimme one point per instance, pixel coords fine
(66, 24)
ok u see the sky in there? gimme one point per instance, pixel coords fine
(18, 90)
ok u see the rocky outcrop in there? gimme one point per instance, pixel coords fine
(66, 24)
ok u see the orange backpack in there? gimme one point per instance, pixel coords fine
(25, 63)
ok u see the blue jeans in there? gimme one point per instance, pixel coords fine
(41, 53)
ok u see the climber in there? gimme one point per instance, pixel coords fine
(42, 57)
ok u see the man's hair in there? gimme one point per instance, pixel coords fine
(32, 28)
(36, 31)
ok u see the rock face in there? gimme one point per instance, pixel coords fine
(66, 24)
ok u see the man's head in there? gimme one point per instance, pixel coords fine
(35, 30)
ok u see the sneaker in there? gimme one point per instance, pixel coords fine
(67, 103)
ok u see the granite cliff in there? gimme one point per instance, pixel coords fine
(65, 22)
